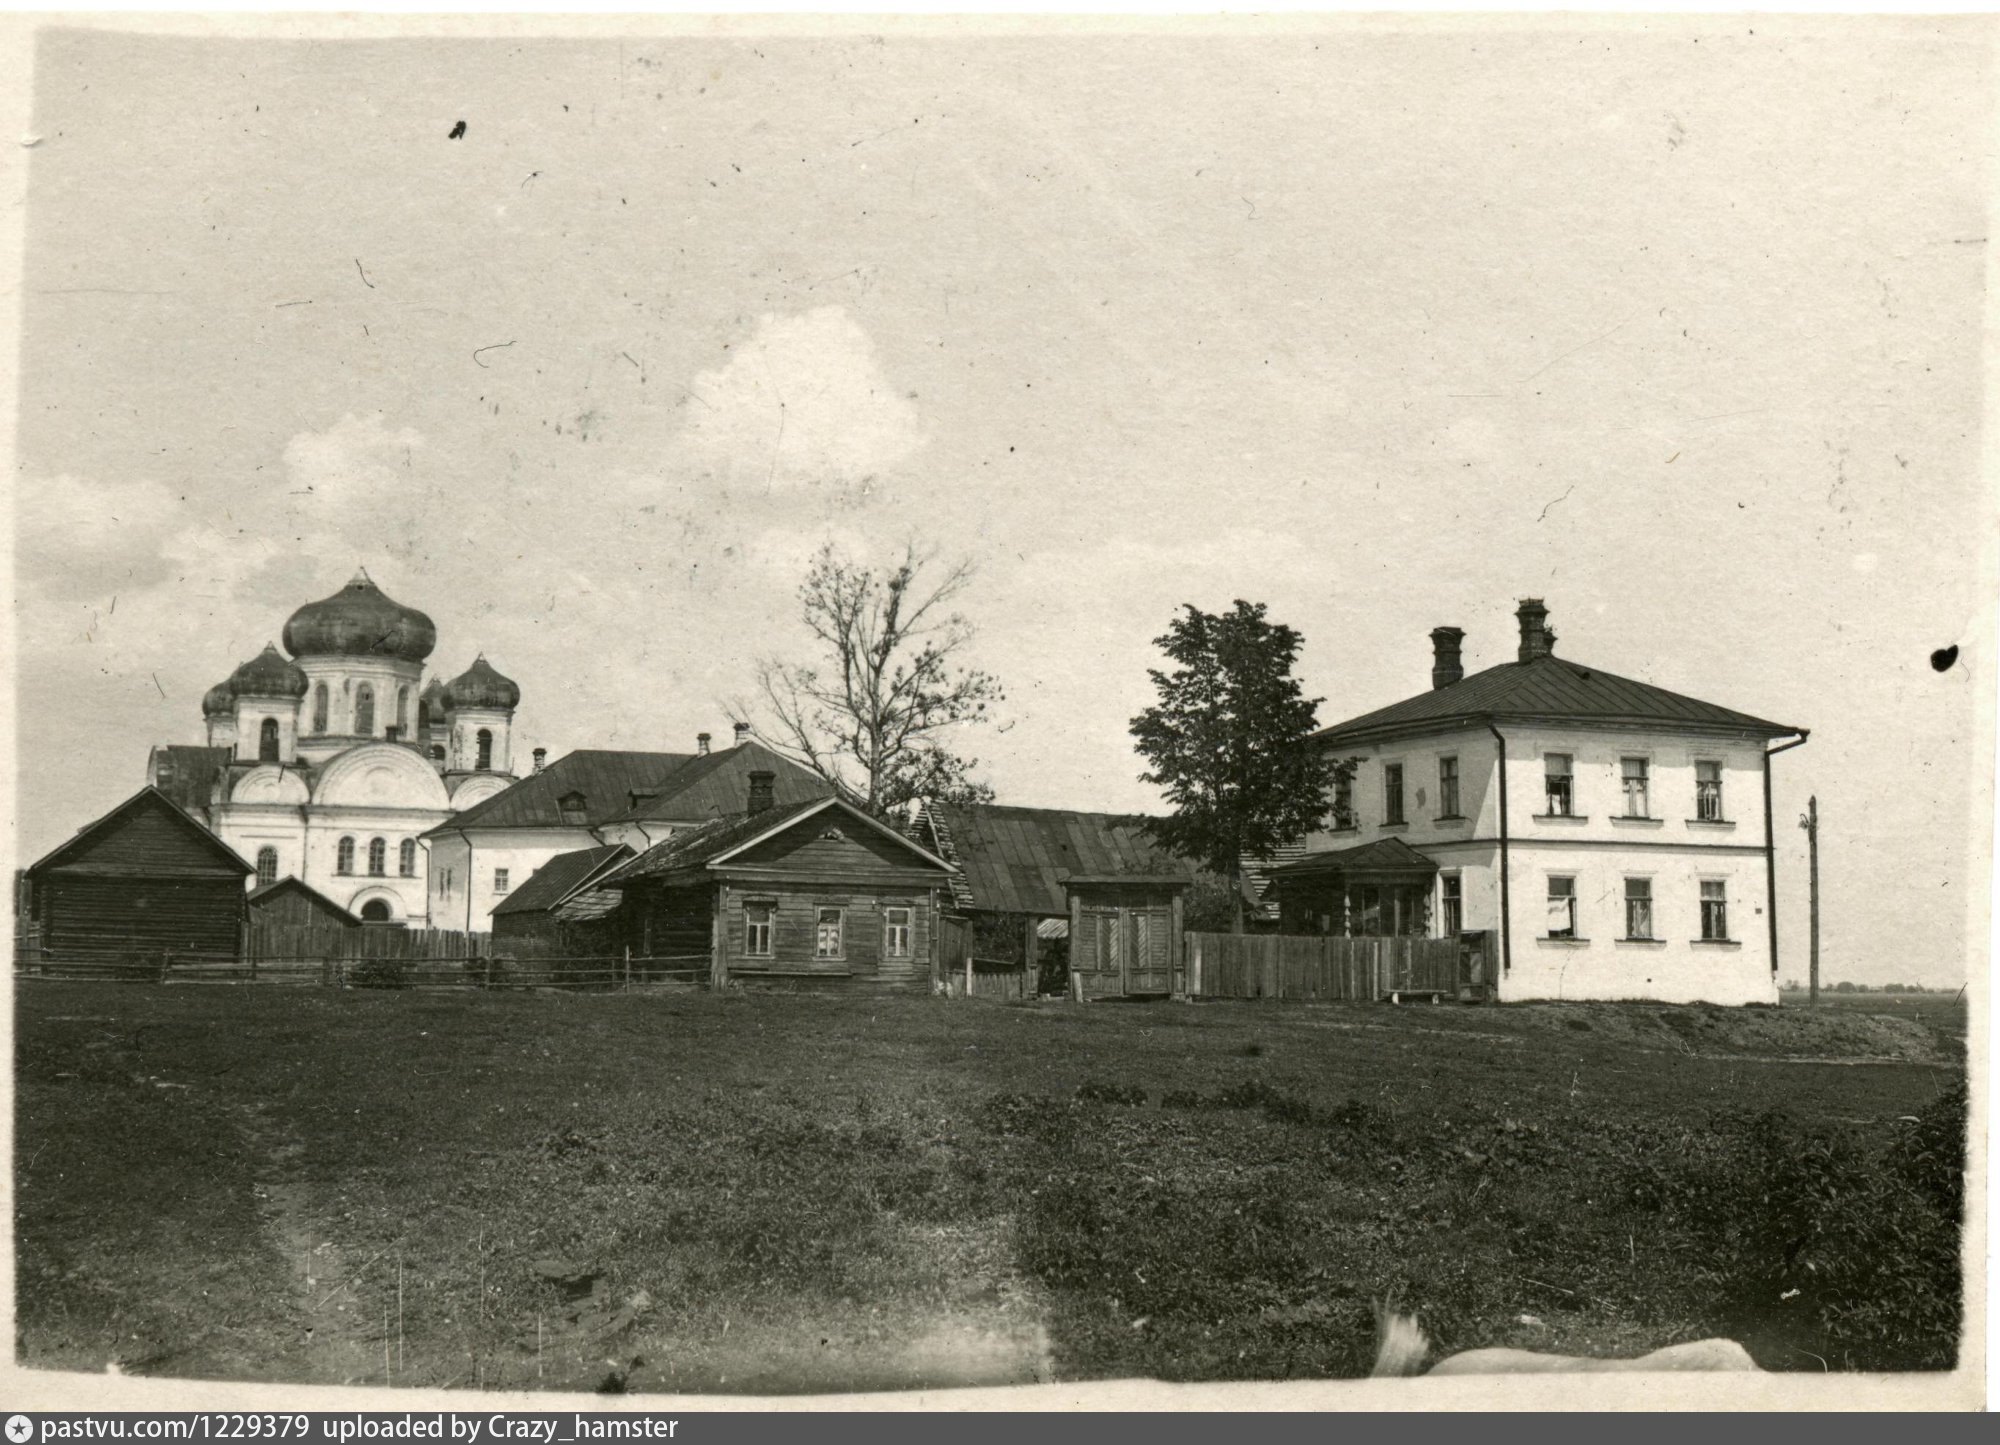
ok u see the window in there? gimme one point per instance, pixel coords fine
(267, 741)
(437, 752)
(423, 716)
(1634, 775)
(1638, 908)
(1562, 908)
(1343, 800)
(267, 866)
(1557, 767)
(827, 936)
(1452, 905)
(375, 910)
(575, 808)
(1392, 792)
(343, 860)
(1708, 792)
(406, 858)
(896, 932)
(364, 710)
(1447, 787)
(485, 750)
(1714, 911)
(402, 710)
(1368, 911)
(378, 857)
(757, 928)
(499, 880)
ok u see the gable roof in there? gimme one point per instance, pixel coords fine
(710, 785)
(1551, 689)
(1016, 860)
(717, 842)
(563, 875)
(606, 779)
(1382, 855)
(147, 799)
(186, 775)
(292, 883)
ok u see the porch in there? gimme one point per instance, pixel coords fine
(1374, 890)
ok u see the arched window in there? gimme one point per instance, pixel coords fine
(267, 741)
(267, 866)
(378, 857)
(375, 911)
(485, 750)
(406, 858)
(402, 711)
(343, 861)
(423, 716)
(437, 752)
(364, 710)
(319, 708)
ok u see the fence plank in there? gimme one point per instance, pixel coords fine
(1313, 968)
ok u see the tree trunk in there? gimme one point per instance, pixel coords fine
(1236, 898)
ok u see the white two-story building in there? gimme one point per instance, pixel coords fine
(1613, 837)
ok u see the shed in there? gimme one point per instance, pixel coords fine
(294, 903)
(145, 879)
(535, 911)
(1032, 876)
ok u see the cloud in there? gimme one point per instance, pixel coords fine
(78, 538)
(803, 403)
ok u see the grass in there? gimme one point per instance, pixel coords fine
(770, 1193)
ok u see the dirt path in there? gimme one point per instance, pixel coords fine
(335, 1326)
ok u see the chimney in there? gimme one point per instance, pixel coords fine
(1536, 639)
(742, 734)
(760, 790)
(701, 744)
(541, 758)
(1445, 666)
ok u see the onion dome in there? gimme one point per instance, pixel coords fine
(480, 686)
(360, 620)
(218, 701)
(267, 674)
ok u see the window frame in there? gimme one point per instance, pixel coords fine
(1721, 905)
(1707, 791)
(1344, 817)
(820, 955)
(890, 927)
(1645, 900)
(364, 710)
(1448, 799)
(270, 741)
(1393, 813)
(1571, 933)
(319, 708)
(767, 925)
(482, 751)
(378, 857)
(343, 856)
(265, 877)
(1568, 776)
(406, 858)
(1451, 904)
(502, 880)
(1645, 781)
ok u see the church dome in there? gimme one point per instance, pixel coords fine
(218, 701)
(480, 686)
(360, 620)
(267, 674)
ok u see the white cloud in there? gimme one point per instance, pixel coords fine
(804, 402)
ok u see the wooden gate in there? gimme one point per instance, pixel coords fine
(1124, 943)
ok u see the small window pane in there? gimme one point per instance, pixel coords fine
(827, 935)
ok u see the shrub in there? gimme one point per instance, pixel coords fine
(379, 973)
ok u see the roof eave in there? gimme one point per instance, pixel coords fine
(1750, 729)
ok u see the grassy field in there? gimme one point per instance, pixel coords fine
(780, 1193)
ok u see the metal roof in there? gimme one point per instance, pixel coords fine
(606, 779)
(714, 842)
(1551, 689)
(1016, 860)
(1379, 856)
(712, 785)
(558, 878)
(186, 775)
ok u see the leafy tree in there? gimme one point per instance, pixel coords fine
(877, 712)
(1229, 742)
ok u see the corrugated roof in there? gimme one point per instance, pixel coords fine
(1551, 688)
(561, 876)
(712, 785)
(606, 779)
(186, 775)
(1015, 860)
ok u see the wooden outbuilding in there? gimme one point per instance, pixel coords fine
(294, 903)
(558, 907)
(817, 893)
(143, 881)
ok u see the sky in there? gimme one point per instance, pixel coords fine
(1673, 324)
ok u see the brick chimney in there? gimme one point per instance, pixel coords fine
(701, 745)
(760, 790)
(742, 734)
(1445, 666)
(541, 758)
(1536, 639)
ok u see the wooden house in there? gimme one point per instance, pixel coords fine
(559, 906)
(817, 892)
(1095, 884)
(294, 903)
(144, 880)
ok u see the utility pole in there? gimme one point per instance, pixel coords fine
(1809, 821)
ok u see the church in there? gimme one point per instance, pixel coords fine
(330, 764)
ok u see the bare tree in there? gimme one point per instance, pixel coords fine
(876, 714)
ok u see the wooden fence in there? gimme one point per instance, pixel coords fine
(1290, 966)
(499, 971)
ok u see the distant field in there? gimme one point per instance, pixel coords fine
(1944, 1011)
(769, 1193)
